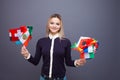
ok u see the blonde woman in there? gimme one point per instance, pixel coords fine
(55, 51)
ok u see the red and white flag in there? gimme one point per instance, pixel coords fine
(21, 35)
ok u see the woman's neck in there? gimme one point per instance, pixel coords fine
(53, 35)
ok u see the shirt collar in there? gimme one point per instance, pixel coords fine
(53, 36)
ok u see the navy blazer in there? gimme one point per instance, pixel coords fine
(61, 56)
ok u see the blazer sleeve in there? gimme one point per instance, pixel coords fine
(35, 60)
(68, 59)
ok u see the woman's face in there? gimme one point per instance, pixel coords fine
(54, 25)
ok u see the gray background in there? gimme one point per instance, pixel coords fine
(99, 19)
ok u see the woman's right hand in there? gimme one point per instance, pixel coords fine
(24, 52)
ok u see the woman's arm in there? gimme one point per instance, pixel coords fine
(34, 60)
(68, 59)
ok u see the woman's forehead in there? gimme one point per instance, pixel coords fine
(55, 19)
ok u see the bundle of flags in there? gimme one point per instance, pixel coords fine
(21, 35)
(87, 47)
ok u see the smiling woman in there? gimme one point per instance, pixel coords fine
(55, 50)
(55, 25)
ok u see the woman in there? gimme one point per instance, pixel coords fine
(55, 50)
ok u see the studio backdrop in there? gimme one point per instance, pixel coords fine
(99, 19)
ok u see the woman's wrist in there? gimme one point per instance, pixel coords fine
(28, 56)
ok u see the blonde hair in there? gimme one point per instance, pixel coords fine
(61, 31)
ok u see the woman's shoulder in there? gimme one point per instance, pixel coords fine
(42, 39)
(66, 40)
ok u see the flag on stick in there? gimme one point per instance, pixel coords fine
(21, 35)
(87, 47)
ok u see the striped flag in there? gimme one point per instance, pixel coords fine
(87, 47)
(21, 35)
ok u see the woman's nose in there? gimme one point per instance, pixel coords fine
(54, 25)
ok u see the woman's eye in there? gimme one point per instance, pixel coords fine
(51, 23)
(57, 24)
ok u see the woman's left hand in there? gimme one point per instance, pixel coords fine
(80, 62)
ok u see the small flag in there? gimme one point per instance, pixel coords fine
(21, 35)
(87, 47)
